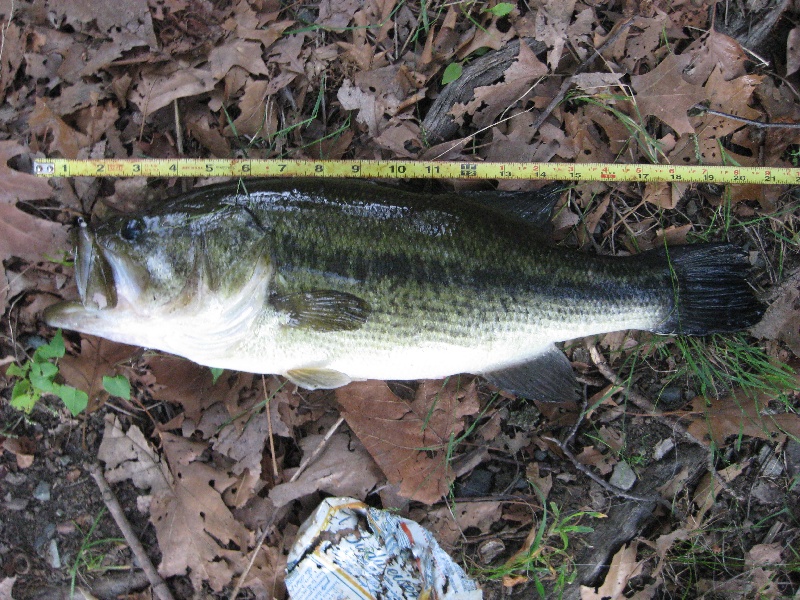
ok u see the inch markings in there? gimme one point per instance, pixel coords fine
(399, 169)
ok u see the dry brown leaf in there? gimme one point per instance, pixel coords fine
(337, 14)
(183, 382)
(344, 468)
(485, 37)
(664, 93)
(128, 455)
(66, 140)
(268, 35)
(11, 58)
(22, 234)
(132, 16)
(643, 37)
(491, 100)
(734, 97)
(543, 485)
(23, 448)
(448, 523)
(552, 21)
(664, 544)
(369, 113)
(156, 90)
(662, 194)
(195, 529)
(402, 137)
(409, 440)
(719, 419)
(762, 560)
(705, 494)
(715, 51)
(623, 568)
(210, 137)
(257, 116)
(782, 319)
(243, 441)
(592, 457)
(673, 235)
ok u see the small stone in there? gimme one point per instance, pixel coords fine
(663, 448)
(16, 503)
(42, 491)
(66, 528)
(54, 558)
(623, 476)
(15, 478)
(43, 538)
(488, 550)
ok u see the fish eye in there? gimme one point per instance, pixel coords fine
(132, 230)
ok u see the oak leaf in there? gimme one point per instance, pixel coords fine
(409, 439)
(664, 93)
(196, 531)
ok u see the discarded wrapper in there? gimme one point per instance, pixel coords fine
(348, 550)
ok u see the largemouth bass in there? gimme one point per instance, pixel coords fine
(330, 281)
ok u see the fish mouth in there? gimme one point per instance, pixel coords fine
(95, 280)
(94, 274)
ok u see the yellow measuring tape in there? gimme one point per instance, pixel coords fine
(408, 169)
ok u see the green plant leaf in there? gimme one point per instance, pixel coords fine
(501, 9)
(54, 349)
(117, 386)
(451, 73)
(23, 397)
(215, 373)
(74, 399)
(15, 370)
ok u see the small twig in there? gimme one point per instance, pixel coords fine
(317, 450)
(160, 588)
(269, 427)
(645, 405)
(3, 33)
(759, 124)
(261, 539)
(178, 129)
(619, 492)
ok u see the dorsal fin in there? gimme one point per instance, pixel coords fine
(534, 207)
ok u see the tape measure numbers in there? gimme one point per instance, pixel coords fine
(399, 169)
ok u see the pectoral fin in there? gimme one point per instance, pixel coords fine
(548, 378)
(314, 379)
(323, 310)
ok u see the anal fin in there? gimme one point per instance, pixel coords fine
(314, 378)
(548, 378)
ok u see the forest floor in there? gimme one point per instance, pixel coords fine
(703, 433)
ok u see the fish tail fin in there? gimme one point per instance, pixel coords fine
(711, 293)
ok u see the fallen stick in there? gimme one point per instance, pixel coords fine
(160, 588)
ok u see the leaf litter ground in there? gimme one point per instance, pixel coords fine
(203, 466)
